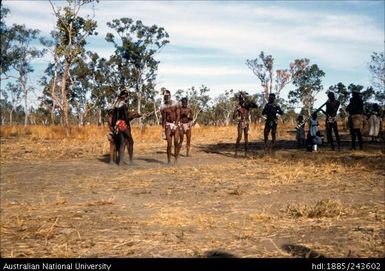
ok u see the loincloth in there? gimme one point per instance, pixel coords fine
(185, 126)
(243, 124)
(172, 126)
(330, 119)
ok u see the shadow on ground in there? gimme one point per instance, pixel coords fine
(218, 254)
(301, 251)
(228, 149)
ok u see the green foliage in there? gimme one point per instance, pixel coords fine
(198, 100)
(135, 51)
(72, 30)
(9, 52)
(308, 83)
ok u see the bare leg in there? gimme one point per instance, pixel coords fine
(177, 145)
(273, 135)
(335, 129)
(112, 152)
(246, 132)
(181, 136)
(188, 135)
(121, 148)
(169, 144)
(130, 148)
(266, 132)
(239, 137)
(329, 134)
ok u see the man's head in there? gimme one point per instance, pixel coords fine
(123, 95)
(166, 95)
(355, 93)
(314, 116)
(271, 98)
(184, 101)
(331, 96)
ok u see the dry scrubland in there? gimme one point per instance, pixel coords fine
(60, 197)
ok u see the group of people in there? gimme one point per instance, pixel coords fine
(271, 111)
(355, 109)
(176, 123)
(177, 120)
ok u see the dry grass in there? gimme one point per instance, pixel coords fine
(323, 208)
(59, 200)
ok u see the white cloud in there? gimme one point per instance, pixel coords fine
(206, 71)
(334, 39)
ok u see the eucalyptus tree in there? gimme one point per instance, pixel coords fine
(14, 93)
(134, 60)
(24, 38)
(224, 106)
(308, 83)
(72, 32)
(9, 51)
(377, 69)
(273, 81)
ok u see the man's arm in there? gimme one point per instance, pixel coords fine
(251, 105)
(163, 118)
(264, 111)
(133, 115)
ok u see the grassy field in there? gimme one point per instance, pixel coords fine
(61, 198)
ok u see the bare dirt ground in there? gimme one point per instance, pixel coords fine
(66, 200)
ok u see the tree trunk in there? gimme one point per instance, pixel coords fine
(99, 117)
(227, 120)
(26, 107)
(53, 95)
(23, 83)
(11, 117)
(139, 108)
(156, 113)
(65, 101)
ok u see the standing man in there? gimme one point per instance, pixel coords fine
(242, 115)
(170, 119)
(271, 110)
(121, 124)
(186, 118)
(355, 109)
(332, 106)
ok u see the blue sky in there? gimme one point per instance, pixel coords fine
(210, 41)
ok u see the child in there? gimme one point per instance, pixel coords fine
(300, 132)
